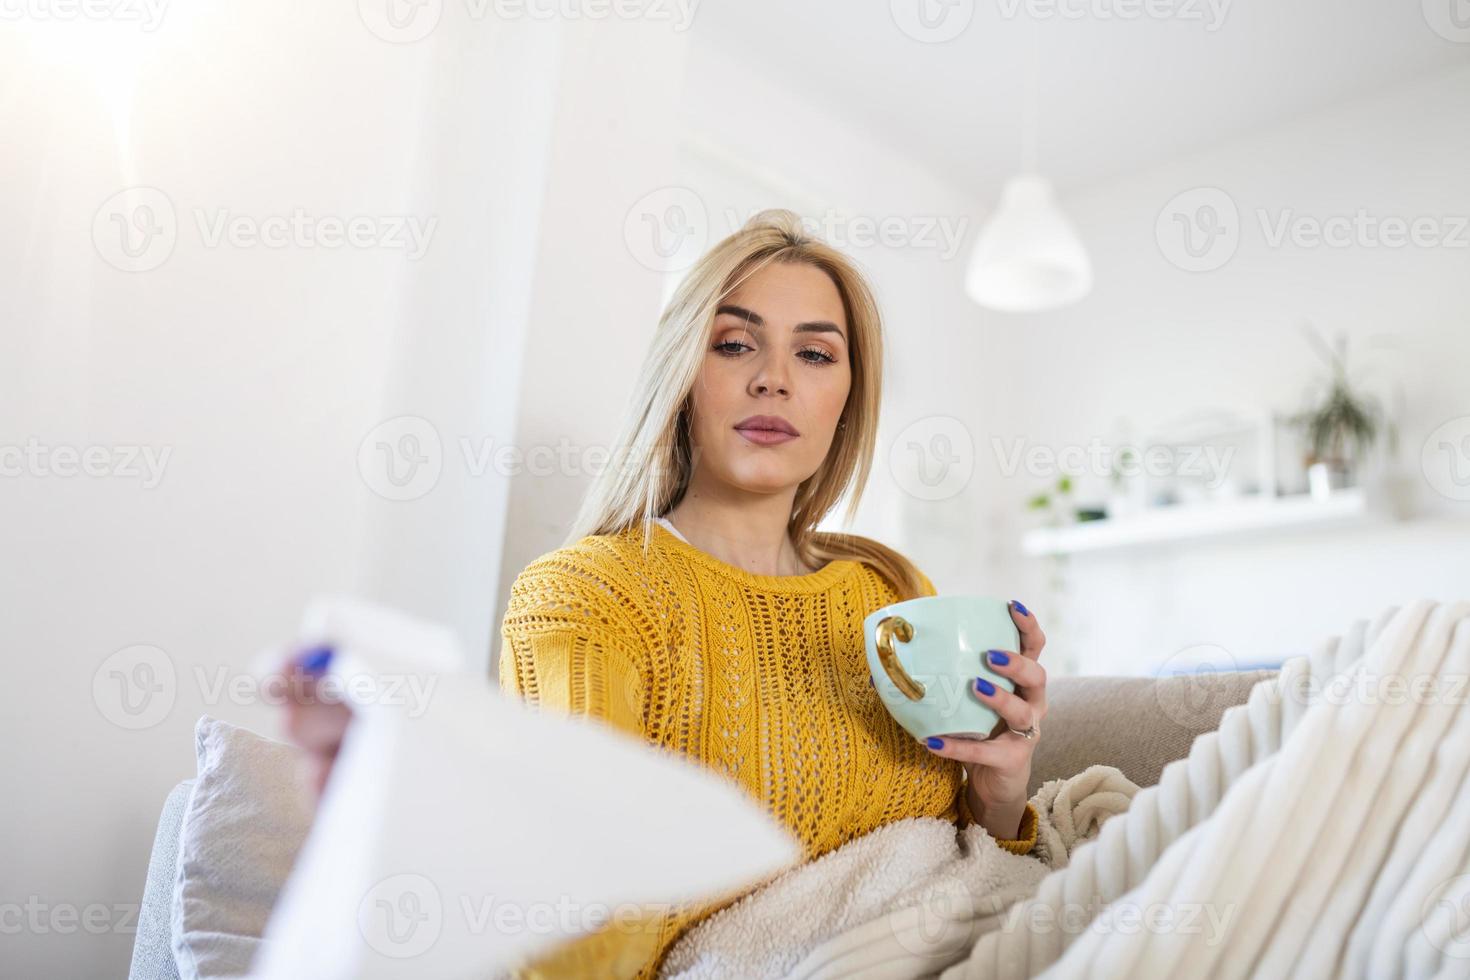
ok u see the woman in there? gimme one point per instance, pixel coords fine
(695, 605)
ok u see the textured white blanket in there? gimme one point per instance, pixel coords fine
(944, 879)
(1322, 830)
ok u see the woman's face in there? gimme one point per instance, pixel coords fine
(779, 349)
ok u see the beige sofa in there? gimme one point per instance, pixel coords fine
(1139, 724)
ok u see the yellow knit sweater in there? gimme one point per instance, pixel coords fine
(762, 678)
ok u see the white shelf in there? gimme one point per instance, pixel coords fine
(1186, 521)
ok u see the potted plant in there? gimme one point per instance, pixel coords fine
(1123, 496)
(1341, 429)
(1053, 505)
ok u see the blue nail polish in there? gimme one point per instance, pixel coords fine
(998, 657)
(1019, 608)
(935, 742)
(315, 660)
(985, 686)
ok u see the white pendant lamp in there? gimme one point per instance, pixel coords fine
(1028, 256)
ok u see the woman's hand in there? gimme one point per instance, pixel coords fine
(314, 722)
(999, 769)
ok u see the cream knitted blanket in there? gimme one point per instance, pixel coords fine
(941, 879)
(1322, 830)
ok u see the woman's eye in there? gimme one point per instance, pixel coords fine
(723, 345)
(822, 356)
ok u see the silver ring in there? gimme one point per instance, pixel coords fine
(1028, 733)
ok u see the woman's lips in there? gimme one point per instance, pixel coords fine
(766, 437)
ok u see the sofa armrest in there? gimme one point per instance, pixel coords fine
(153, 951)
(1137, 724)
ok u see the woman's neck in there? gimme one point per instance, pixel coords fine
(749, 535)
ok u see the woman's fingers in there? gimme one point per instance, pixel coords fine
(1015, 711)
(318, 769)
(1000, 753)
(1028, 674)
(315, 721)
(1032, 638)
(318, 727)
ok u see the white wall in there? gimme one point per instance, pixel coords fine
(593, 304)
(262, 372)
(1154, 341)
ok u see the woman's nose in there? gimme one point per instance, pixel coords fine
(772, 377)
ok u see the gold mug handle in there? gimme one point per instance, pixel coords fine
(889, 628)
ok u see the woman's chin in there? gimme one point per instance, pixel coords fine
(765, 479)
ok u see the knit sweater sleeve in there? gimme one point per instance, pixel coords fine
(1025, 839)
(572, 642)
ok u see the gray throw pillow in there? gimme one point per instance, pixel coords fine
(244, 824)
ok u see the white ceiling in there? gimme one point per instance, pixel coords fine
(1114, 94)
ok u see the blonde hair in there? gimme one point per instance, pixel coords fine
(651, 456)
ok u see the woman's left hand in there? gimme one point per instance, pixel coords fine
(999, 769)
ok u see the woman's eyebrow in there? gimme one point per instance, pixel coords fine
(754, 319)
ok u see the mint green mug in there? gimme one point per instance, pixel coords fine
(924, 655)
